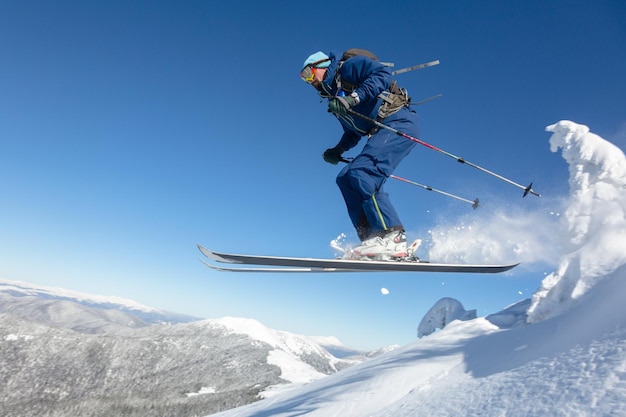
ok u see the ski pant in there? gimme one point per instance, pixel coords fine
(361, 181)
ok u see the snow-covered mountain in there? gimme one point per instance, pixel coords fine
(561, 353)
(65, 353)
(339, 350)
(146, 314)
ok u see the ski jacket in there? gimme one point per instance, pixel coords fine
(365, 76)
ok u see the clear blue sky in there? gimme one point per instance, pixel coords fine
(130, 131)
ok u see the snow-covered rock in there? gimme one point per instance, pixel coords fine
(441, 314)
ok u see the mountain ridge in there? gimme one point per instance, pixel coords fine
(72, 353)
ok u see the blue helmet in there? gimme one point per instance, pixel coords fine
(320, 59)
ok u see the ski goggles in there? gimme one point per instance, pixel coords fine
(308, 73)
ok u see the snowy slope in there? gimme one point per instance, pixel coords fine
(569, 360)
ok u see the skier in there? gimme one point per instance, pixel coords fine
(358, 82)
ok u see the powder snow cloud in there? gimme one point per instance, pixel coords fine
(582, 236)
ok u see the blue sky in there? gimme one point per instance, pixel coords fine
(130, 131)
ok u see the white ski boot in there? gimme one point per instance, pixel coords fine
(390, 247)
(411, 251)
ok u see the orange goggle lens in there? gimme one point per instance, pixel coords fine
(308, 74)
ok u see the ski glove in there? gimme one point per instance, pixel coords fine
(341, 105)
(333, 155)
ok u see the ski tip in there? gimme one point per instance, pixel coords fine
(208, 253)
(215, 256)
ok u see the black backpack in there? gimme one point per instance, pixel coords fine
(352, 52)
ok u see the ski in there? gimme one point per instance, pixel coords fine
(293, 264)
(415, 67)
(274, 269)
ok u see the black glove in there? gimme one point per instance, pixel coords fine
(340, 105)
(333, 155)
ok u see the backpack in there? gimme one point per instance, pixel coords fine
(352, 52)
(393, 100)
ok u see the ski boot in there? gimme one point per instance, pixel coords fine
(390, 247)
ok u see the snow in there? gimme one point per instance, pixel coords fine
(285, 355)
(24, 288)
(327, 341)
(498, 236)
(14, 337)
(560, 353)
(203, 391)
(293, 369)
(250, 327)
(112, 306)
(595, 219)
(443, 312)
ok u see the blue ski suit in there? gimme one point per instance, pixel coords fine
(361, 181)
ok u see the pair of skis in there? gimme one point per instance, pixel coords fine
(282, 264)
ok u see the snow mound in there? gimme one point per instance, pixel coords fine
(594, 224)
(441, 314)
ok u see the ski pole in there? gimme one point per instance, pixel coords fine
(527, 190)
(416, 67)
(426, 100)
(429, 188)
(426, 187)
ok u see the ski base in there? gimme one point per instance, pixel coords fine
(308, 265)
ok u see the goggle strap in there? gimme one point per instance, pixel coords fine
(316, 63)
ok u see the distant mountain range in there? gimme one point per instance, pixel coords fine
(64, 353)
(148, 315)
